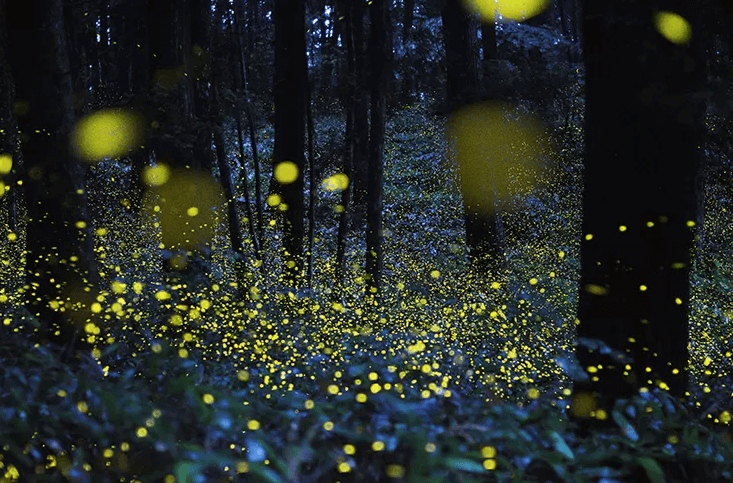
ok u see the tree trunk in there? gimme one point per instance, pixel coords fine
(325, 86)
(199, 65)
(9, 135)
(343, 228)
(291, 69)
(641, 164)
(312, 185)
(483, 232)
(488, 49)
(408, 80)
(60, 257)
(361, 113)
(104, 59)
(238, 18)
(379, 71)
(165, 83)
(391, 91)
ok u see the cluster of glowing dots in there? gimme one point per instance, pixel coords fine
(6, 164)
(287, 172)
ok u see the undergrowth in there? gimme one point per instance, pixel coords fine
(452, 378)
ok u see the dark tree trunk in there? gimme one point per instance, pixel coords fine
(166, 80)
(488, 49)
(460, 54)
(138, 79)
(9, 135)
(242, 75)
(200, 53)
(325, 86)
(361, 112)
(93, 52)
(239, 87)
(483, 232)
(139, 56)
(120, 32)
(408, 79)
(77, 58)
(343, 229)
(312, 185)
(204, 42)
(253, 31)
(641, 165)
(291, 70)
(379, 71)
(225, 175)
(104, 59)
(563, 13)
(60, 257)
(391, 91)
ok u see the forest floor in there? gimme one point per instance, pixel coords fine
(453, 378)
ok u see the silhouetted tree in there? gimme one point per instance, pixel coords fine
(639, 201)
(60, 267)
(289, 84)
(408, 79)
(375, 180)
(349, 88)
(361, 109)
(483, 234)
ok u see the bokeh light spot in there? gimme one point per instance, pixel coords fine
(156, 175)
(336, 182)
(513, 10)
(286, 172)
(185, 191)
(673, 27)
(273, 200)
(110, 133)
(6, 163)
(499, 152)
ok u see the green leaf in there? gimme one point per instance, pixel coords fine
(569, 363)
(651, 467)
(256, 451)
(561, 446)
(625, 426)
(186, 471)
(265, 473)
(463, 464)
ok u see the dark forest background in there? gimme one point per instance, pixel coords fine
(422, 240)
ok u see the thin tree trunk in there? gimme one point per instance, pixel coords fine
(361, 113)
(375, 178)
(93, 53)
(408, 81)
(327, 52)
(488, 47)
(247, 202)
(312, 184)
(9, 145)
(240, 144)
(343, 228)
(199, 13)
(104, 60)
(225, 174)
(258, 234)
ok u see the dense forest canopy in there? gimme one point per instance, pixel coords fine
(340, 240)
